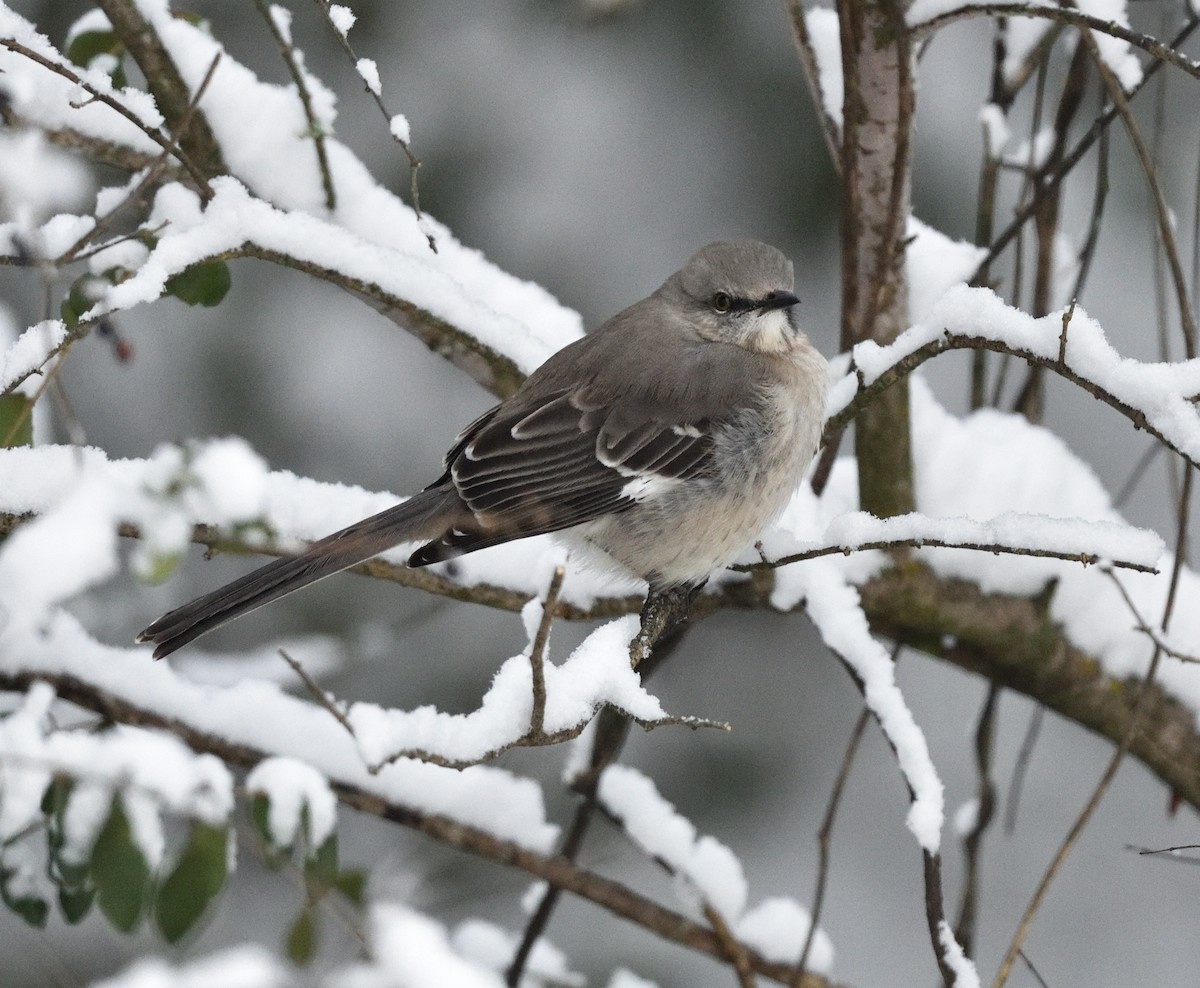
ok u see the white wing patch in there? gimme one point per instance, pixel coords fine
(645, 487)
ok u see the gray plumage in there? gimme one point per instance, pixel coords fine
(669, 437)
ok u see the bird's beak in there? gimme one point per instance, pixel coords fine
(777, 300)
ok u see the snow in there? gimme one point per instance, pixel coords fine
(935, 263)
(995, 129)
(1108, 540)
(834, 606)
(823, 33)
(965, 975)
(1024, 33)
(37, 179)
(368, 71)
(153, 772)
(30, 351)
(342, 18)
(777, 928)
(659, 830)
(230, 482)
(622, 978)
(1160, 391)
(243, 966)
(462, 294)
(51, 101)
(399, 127)
(371, 237)
(291, 788)
(966, 817)
(596, 673)
(414, 951)
(494, 948)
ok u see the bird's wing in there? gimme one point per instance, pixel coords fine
(562, 460)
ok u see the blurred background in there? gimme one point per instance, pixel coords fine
(592, 154)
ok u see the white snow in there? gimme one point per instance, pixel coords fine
(368, 71)
(657, 828)
(623, 978)
(777, 928)
(414, 951)
(596, 673)
(398, 125)
(935, 263)
(153, 772)
(291, 788)
(965, 975)
(30, 351)
(248, 965)
(995, 129)
(493, 947)
(823, 33)
(342, 18)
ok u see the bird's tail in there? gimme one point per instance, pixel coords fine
(422, 517)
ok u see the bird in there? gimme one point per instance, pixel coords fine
(669, 437)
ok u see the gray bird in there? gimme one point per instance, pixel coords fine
(669, 438)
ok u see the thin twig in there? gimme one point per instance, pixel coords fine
(735, 951)
(985, 799)
(150, 178)
(1172, 853)
(1021, 767)
(1143, 626)
(153, 133)
(1077, 153)
(825, 837)
(951, 341)
(414, 163)
(315, 129)
(322, 698)
(812, 74)
(1118, 756)
(537, 654)
(1085, 558)
(1161, 52)
(1162, 210)
(1033, 970)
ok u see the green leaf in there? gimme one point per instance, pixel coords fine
(30, 908)
(201, 284)
(16, 420)
(119, 871)
(155, 568)
(75, 903)
(260, 813)
(301, 944)
(81, 297)
(323, 865)
(197, 879)
(353, 885)
(86, 45)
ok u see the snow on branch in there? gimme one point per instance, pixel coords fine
(596, 674)
(493, 325)
(259, 716)
(1157, 397)
(1072, 539)
(711, 875)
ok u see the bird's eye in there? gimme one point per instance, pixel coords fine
(721, 302)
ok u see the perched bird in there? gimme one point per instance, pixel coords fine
(669, 437)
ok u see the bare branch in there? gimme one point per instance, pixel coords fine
(537, 653)
(315, 129)
(1166, 53)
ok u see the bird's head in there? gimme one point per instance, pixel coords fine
(739, 292)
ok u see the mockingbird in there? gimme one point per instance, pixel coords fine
(670, 437)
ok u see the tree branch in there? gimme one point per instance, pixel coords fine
(604, 892)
